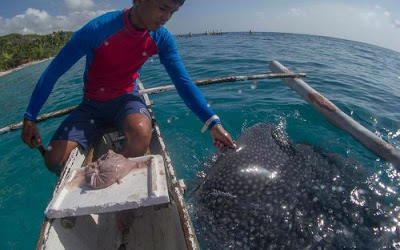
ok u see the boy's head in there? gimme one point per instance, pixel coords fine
(152, 14)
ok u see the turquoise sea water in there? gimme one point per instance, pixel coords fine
(361, 79)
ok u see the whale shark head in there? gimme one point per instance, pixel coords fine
(255, 162)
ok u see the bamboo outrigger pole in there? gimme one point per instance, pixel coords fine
(216, 80)
(161, 89)
(41, 118)
(338, 118)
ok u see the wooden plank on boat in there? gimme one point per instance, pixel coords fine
(141, 187)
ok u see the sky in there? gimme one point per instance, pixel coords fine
(370, 21)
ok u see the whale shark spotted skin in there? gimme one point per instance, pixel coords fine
(270, 193)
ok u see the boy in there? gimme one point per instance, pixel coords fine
(116, 45)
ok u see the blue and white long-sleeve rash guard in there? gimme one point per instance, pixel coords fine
(115, 51)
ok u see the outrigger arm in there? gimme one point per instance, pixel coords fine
(338, 118)
(157, 90)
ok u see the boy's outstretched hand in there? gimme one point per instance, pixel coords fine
(221, 138)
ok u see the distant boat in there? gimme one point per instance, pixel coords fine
(213, 33)
(186, 35)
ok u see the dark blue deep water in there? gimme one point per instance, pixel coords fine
(361, 79)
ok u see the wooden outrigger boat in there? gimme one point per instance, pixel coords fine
(164, 226)
(168, 225)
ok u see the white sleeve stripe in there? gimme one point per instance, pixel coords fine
(208, 122)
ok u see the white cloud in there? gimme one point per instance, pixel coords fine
(40, 22)
(79, 4)
(34, 14)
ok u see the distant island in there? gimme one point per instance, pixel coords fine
(17, 49)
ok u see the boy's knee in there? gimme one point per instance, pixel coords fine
(141, 128)
(57, 154)
(56, 158)
(137, 141)
(138, 128)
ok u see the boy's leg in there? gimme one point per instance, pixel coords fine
(80, 128)
(134, 118)
(137, 129)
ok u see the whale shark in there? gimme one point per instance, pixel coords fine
(272, 193)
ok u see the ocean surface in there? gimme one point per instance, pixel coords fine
(361, 79)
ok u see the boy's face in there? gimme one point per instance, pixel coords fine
(155, 13)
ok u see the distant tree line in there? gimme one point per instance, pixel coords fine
(16, 49)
